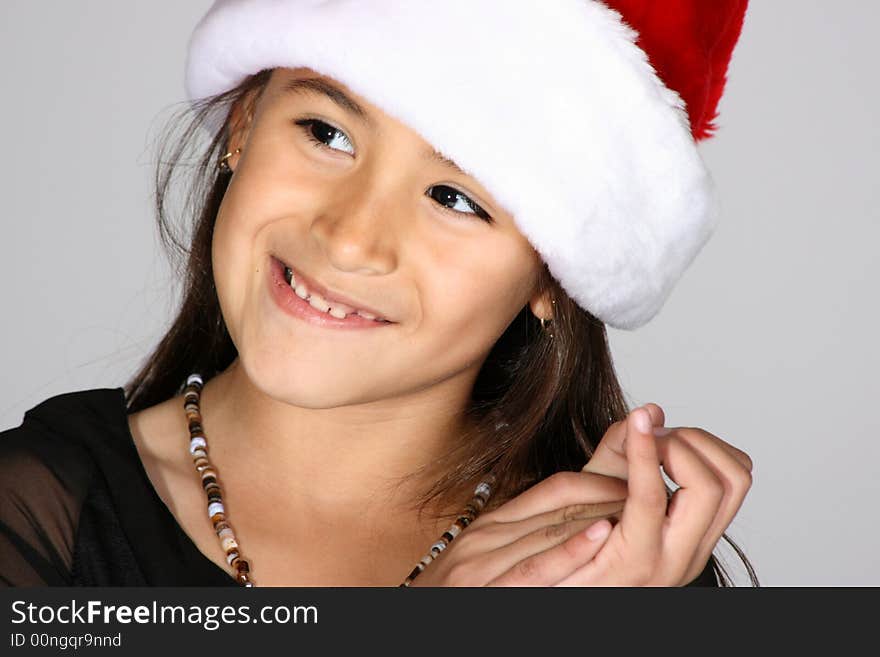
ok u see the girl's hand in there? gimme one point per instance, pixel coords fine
(654, 545)
(538, 538)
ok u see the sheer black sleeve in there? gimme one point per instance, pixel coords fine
(43, 482)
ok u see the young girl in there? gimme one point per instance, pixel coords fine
(390, 363)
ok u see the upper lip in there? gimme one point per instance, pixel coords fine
(330, 295)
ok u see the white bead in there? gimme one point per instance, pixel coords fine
(197, 442)
(193, 378)
(215, 507)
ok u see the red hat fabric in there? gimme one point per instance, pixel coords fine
(690, 44)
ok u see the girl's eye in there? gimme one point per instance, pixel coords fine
(324, 135)
(453, 200)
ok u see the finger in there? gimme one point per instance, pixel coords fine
(658, 417)
(692, 508)
(662, 555)
(703, 435)
(558, 490)
(644, 513)
(735, 476)
(552, 564)
(497, 534)
(697, 436)
(609, 457)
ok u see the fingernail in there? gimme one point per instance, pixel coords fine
(642, 420)
(598, 530)
(661, 431)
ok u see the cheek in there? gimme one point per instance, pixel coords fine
(233, 244)
(473, 302)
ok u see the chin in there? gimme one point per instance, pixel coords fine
(306, 382)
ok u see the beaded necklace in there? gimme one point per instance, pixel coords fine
(198, 449)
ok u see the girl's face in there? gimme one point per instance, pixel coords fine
(356, 204)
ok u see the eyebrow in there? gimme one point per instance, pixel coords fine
(350, 105)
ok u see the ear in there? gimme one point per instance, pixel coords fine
(239, 126)
(541, 305)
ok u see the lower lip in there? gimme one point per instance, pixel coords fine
(289, 302)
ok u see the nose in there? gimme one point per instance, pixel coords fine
(358, 231)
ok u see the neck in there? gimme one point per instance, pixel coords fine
(342, 462)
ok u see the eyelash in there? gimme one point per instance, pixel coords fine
(306, 125)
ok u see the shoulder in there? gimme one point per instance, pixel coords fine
(46, 469)
(58, 431)
(50, 455)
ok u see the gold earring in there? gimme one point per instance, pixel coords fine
(223, 164)
(544, 323)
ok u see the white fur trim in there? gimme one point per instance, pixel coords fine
(550, 105)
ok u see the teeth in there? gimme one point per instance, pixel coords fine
(336, 309)
(317, 301)
(301, 291)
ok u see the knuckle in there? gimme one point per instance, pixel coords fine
(743, 481)
(577, 511)
(715, 487)
(552, 532)
(529, 569)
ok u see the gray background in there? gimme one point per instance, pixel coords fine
(768, 341)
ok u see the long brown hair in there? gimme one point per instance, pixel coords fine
(539, 405)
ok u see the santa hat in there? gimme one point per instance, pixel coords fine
(580, 117)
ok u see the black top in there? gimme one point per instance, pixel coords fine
(78, 509)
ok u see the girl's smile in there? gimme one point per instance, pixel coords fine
(299, 300)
